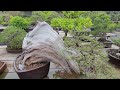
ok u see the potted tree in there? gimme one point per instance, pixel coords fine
(36, 71)
(14, 36)
(102, 25)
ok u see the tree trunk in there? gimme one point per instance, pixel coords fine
(66, 31)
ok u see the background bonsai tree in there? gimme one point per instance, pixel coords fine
(82, 24)
(19, 22)
(65, 24)
(13, 36)
(102, 24)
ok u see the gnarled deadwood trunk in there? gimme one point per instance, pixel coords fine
(44, 44)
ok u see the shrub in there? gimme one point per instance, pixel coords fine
(13, 36)
(19, 22)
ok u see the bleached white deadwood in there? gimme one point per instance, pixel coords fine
(44, 44)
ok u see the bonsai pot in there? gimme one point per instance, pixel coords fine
(113, 58)
(36, 73)
(13, 50)
(3, 66)
(2, 44)
(108, 44)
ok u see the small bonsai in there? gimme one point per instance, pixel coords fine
(13, 36)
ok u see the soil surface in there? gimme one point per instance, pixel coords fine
(32, 66)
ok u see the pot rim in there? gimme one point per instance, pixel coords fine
(111, 54)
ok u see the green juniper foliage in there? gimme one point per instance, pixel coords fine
(92, 59)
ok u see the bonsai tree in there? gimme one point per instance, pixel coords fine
(90, 59)
(67, 25)
(19, 22)
(13, 36)
(102, 24)
(81, 24)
